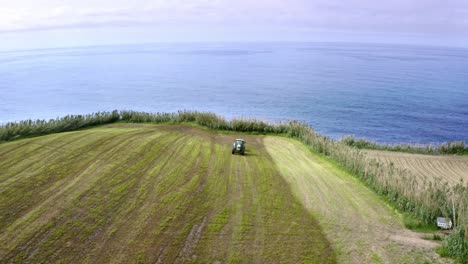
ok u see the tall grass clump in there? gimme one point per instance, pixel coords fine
(424, 201)
(455, 246)
(31, 128)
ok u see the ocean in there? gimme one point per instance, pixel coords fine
(385, 93)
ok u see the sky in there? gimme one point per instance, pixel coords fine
(29, 24)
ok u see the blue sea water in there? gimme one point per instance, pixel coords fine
(386, 93)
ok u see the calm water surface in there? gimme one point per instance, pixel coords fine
(381, 92)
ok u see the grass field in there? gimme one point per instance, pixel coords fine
(448, 168)
(134, 193)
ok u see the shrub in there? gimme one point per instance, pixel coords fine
(456, 245)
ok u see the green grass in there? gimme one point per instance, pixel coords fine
(434, 237)
(141, 193)
(415, 224)
(398, 184)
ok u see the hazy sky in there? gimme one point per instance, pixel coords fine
(48, 23)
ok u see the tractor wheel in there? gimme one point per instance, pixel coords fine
(233, 151)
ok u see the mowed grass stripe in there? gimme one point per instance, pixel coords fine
(44, 215)
(75, 145)
(32, 181)
(259, 231)
(157, 194)
(127, 233)
(37, 150)
(122, 187)
(362, 228)
(55, 174)
(29, 146)
(127, 215)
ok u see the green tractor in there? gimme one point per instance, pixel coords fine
(238, 146)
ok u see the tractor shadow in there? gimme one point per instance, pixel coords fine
(249, 154)
(246, 154)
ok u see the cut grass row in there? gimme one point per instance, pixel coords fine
(450, 169)
(146, 194)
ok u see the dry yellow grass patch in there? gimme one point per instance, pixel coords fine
(448, 168)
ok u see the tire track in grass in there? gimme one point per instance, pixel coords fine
(134, 220)
(118, 188)
(192, 210)
(165, 194)
(215, 193)
(258, 217)
(42, 183)
(52, 154)
(32, 188)
(15, 163)
(253, 216)
(163, 239)
(200, 207)
(257, 212)
(54, 205)
(24, 147)
(11, 147)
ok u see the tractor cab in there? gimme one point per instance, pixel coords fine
(238, 146)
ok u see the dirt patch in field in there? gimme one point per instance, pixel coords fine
(192, 241)
(414, 240)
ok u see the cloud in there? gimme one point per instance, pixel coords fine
(417, 16)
